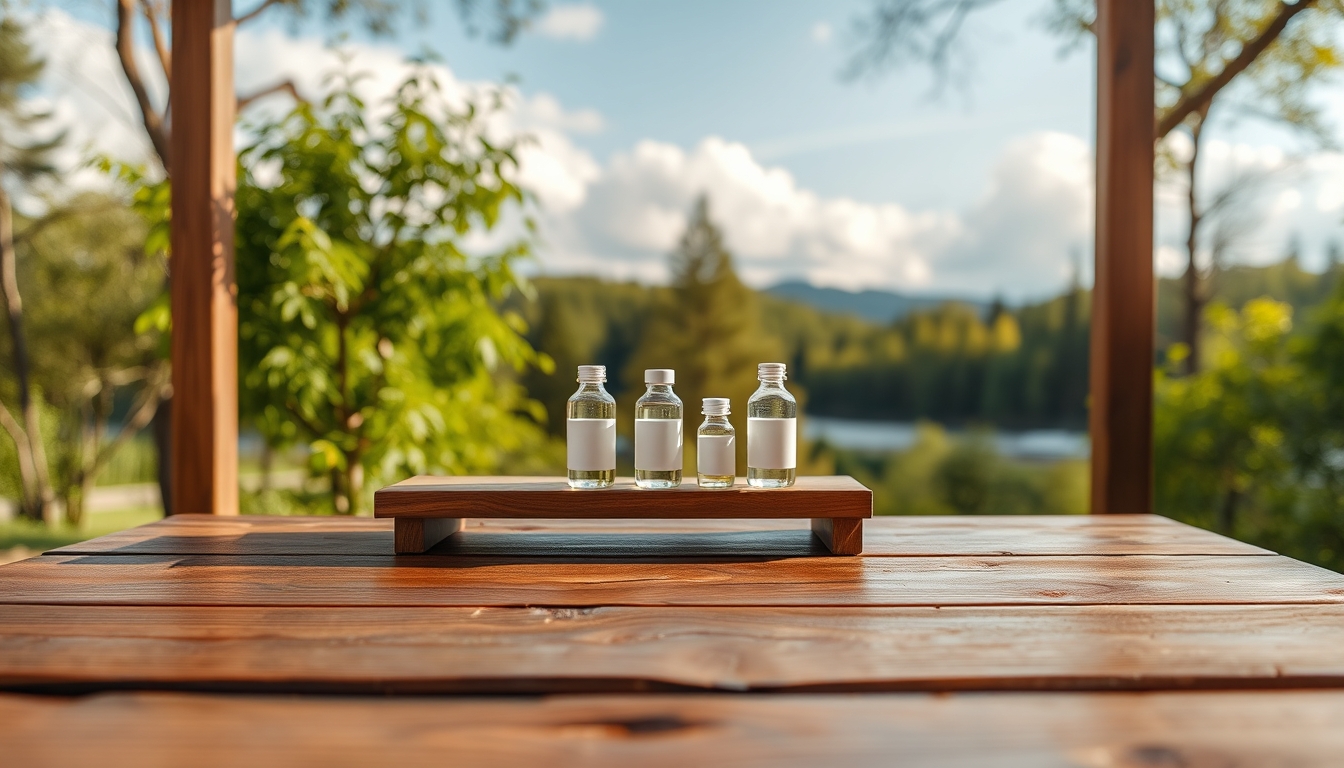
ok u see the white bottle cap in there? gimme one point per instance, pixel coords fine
(770, 371)
(660, 376)
(715, 406)
(590, 374)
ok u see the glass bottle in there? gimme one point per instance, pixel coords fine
(658, 432)
(772, 431)
(590, 431)
(715, 446)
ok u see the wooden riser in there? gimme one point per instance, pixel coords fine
(428, 510)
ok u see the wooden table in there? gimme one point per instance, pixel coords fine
(1094, 641)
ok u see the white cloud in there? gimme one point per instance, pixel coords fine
(822, 33)
(579, 21)
(620, 217)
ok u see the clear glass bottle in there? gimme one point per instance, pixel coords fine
(590, 431)
(772, 431)
(715, 446)
(658, 428)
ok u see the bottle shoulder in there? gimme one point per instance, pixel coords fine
(601, 396)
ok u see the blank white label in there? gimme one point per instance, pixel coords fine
(658, 444)
(716, 455)
(772, 443)
(590, 444)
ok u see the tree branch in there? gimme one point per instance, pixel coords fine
(9, 283)
(160, 44)
(152, 119)
(254, 13)
(1200, 97)
(286, 86)
(142, 413)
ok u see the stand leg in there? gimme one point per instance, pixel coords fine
(841, 535)
(417, 534)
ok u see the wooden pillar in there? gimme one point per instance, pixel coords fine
(204, 296)
(1122, 300)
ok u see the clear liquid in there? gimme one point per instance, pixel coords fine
(715, 425)
(592, 478)
(592, 401)
(771, 478)
(771, 401)
(658, 403)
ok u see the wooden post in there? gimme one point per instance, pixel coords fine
(204, 296)
(1121, 417)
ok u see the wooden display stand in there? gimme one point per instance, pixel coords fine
(428, 510)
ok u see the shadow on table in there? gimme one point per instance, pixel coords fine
(337, 548)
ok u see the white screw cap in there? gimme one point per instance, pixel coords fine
(660, 376)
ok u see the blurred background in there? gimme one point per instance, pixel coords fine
(443, 208)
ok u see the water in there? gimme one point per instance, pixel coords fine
(1035, 444)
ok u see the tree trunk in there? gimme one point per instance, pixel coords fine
(354, 482)
(38, 491)
(163, 450)
(1192, 283)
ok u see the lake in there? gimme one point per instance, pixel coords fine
(1036, 444)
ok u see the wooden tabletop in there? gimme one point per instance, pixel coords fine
(1117, 640)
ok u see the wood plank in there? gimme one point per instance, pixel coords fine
(1283, 728)
(452, 580)
(840, 535)
(1121, 408)
(884, 536)
(204, 467)
(545, 497)
(414, 535)
(534, 650)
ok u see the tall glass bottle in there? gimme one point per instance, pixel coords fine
(658, 432)
(590, 431)
(715, 446)
(772, 431)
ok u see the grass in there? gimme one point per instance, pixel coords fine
(38, 537)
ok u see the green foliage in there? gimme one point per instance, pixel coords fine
(21, 154)
(943, 475)
(1252, 445)
(365, 328)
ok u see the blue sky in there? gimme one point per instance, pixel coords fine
(636, 108)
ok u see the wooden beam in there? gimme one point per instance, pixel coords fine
(1122, 298)
(204, 296)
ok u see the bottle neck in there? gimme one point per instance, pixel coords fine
(659, 389)
(594, 387)
(716, 418)
(772, 383)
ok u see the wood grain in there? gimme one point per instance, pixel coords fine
(485, 581)
(1121, 408)
(883, 536)
(543, 497)
(535, 650)
(204, 464)
(414, 535)
(1097, 730)
(840, 535)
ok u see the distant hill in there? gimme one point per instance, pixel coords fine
(882, 307)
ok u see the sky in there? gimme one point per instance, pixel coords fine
(983, 188)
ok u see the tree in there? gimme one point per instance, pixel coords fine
(501, 20)
(1272, 50)
(366, 330)
(708, 329)
(89, 279)
(21, 159)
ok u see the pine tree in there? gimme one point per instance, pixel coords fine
(708, 329)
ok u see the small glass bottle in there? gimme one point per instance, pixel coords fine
(658, 432)
(590, 431)
(715, 446)
(772, 431)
